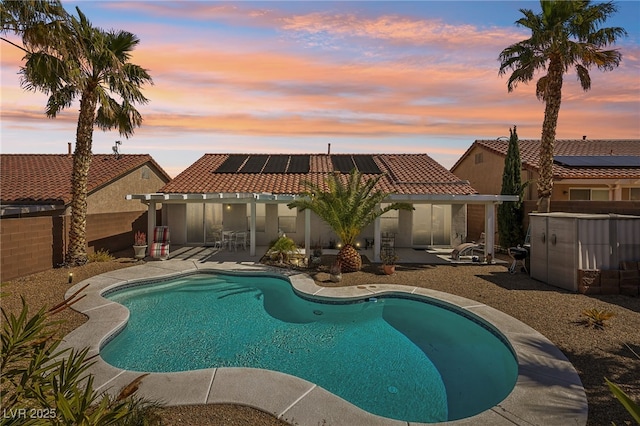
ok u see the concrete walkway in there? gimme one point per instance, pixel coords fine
(548, 389)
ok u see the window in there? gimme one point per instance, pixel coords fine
(287, 219)
(587, 194)
(145, 173)
(479, 158)
(260, 217)
(600, 194)
(634, 193)
(389, 221)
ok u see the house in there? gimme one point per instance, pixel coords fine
(604, 170)
(590, 176)
(35, 196)
(250, 192)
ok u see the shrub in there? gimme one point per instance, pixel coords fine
(101, 255)
(38, 377)
(596, 318)
(282, 249)
(631, 407)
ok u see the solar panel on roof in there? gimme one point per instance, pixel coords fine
(366, 164)
(342, 163)
(232, 163)
(254, 164)
(299, 164)
(597, 160)
(276, 164)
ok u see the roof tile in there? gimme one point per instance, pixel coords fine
(46, 178)
(405, 174)
(530, 149)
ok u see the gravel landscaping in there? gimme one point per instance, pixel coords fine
(613, 352)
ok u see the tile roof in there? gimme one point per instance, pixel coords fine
(46, 178)
(530, 150)
(404, 174)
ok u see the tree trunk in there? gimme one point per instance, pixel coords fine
(77, 251)
(350, 259)
(552, 98)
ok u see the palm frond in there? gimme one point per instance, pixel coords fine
(346, 203)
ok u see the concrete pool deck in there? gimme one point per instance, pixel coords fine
(548, 390)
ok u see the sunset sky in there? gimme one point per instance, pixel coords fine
(291, 77)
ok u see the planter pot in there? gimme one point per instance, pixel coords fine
(389, 269)
(140, 252)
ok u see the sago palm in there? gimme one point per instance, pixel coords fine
(566, 34)
(347, 206)
(72, 60)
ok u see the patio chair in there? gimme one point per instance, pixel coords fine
(239, 239)
(466, 249)
(160, 244)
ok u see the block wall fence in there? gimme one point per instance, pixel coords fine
(34, 244)
(475, 213)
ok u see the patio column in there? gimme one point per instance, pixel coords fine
(376, 239)
(252, 229)
(489, 231)
(307, 233)
(151, 224)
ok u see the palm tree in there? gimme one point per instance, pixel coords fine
(566, 34)
(347, 206)
(75, 60)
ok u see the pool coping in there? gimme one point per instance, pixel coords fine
(548, 390)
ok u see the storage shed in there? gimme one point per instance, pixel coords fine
(564, 243)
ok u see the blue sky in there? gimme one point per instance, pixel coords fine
(419, 76)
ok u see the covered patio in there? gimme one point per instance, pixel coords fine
(226, 211)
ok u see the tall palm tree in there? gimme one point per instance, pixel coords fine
(76, 60)
(347, 206)
(566, 34)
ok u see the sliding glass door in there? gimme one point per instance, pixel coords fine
(203, 221)
(431, 225)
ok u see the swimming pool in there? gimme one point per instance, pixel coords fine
(394, 356)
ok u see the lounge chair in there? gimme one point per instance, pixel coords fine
(466, 249)
(160, 244)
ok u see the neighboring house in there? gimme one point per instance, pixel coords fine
(37, 184)
(250, 191)
(590, 176)
(35, 194)
(602, 170)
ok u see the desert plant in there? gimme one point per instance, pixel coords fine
(631, 407)
(388, 256)
(347, 206)
(35, 374)
(596, 318)
(140, 239)
(282, 249)
(101, 255)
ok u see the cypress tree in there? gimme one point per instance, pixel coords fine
(511, 214)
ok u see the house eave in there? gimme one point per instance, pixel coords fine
(244, 197)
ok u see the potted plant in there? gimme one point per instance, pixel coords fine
(389, 259)
(335, 273)
(140, 245)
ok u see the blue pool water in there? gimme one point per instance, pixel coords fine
(395, 357)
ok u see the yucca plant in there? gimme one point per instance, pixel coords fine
(35, 374)
(627, 403)
(596, 318)
(347, 206)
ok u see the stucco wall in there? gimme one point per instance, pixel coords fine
(111, 198)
